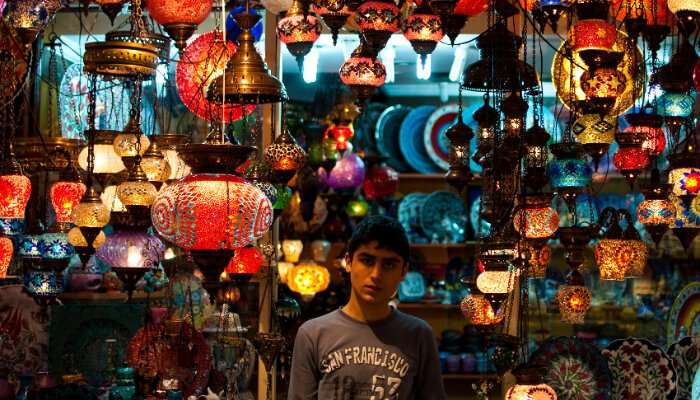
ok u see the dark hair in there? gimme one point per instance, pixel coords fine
(387, 232)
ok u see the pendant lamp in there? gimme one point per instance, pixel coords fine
(179, 18)
(423, 30)
(299, 30)
(377, 20)
(334, 19)
(362, 73)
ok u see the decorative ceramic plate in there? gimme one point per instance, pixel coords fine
(436, 142)
(202, 61)
(445, 218)
(641, 370)
(23, 335)
(386, 135)
(685, 354)
(684, 317)
(411, 140)
(366, 124)
(476, 221)
(575, 369)
(409, 214)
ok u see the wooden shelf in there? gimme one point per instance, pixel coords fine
(439, 253)
(427, 306)
(108, 296)
(415, 182)
(470, 377)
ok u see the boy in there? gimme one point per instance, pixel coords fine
(367, 350)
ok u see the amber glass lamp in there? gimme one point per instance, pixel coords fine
(573, 298)
(6, 251)
(536, 219)
(377, 20)
(423, 30)
(477, 309)
(15, 189)
(137, 191)
(285, 157)
(362, 73)
(308, 278)
(155, 165)
(595, 135)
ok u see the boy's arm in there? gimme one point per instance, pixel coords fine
(303, 383)
(429, 385)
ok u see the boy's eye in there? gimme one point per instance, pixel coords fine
(367, 260)
(390, 265)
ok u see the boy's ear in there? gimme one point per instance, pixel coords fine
(347, 262)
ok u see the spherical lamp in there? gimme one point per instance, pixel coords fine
(380, 181)
(423, 30)
(348, 172)
(477, 309)
(529, 385)
(593, 34)
(155, 165)
(292, 250)
(308, 278)
(685, 9)
(137, 191)
(299, 29)
(362, 73)
(536, 219)
(377, 20)
(65, 195)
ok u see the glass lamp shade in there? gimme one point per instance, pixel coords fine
(654, 11)
(111, 200)
(685, 181)
(638, 262)
(423, 29)
(656, 212)
(604, 83)
(284, 154)
(359, 70)
(684, 5)
(246, 261)
(157, 169)
(55, 246)
(308, 278)
(593, 34)
(7, 248)
(569, 173)
(536, 221)
(91, 214)
(283, 268)
(590, 129)
(292, 250)
(654, 138)
(675, 105)
(348, 172)
(64, 197)
(178, 167)
(320, 250)
(614, 257)
(376, 15)
(136, 193)
(540, 391)
(357, 208)
(380, 181)
(299, 29)
(168, 12)
(496, 282)
(76, 238)
(14, 195)
(471, 8)
(106, 159)
(29, 246)
(538, 259)
(631, 159)
(341, 134)
(42, 283)
(478, 311)
(131, 249)
(128, 145)
(573, 301)
(211, 212)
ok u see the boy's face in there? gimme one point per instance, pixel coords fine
(375, 273)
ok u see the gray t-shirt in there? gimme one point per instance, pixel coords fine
(339, 358)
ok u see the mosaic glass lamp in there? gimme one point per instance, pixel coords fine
(536, 219)
(574, 299)
(308, 278)
(299, 30)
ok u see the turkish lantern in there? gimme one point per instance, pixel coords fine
(574, 299)
(15, 189)
(593, 34)
(362, 73)
(423, 30)
(6, 250)
(245, 262)
(211, 212)
(648, 127)
(477, 309)
(65, 195)
(131, 249)
(299, 29)
(341, 133)
(529, 385)
(308, 278)
(334, 19)
(377, 20)
(380, 181)
(536, 219)
(179, 17)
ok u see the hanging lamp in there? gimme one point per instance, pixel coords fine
(246, 80)
(299, 30)
(155, 165)
(595, 135)
(530, 385)
(179, 18)
(377, 20)
(536, 157)
(334, 19)
(65, 194)
(111, 8)
(285, 157)
(15, 187)
(536, 219)
(656, 212)
(631, 157)
(569, 172)
(459, 134)
(362, 73)
(423, 30)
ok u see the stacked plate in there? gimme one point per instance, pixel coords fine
(414, 137)
(444, 221)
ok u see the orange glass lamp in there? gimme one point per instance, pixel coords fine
(299, 30)
(334, 19)
(137, 191)
(292, 250)
(362, 72)
(537, 257)
(65, 194)
(245, 263)
(179, 18)
(15, 189)
(536, 219)
(342, 134)
(423, 30)
(593, 34)
(529, 385)
(377, 20)
(684, 173)
(285, 157)
(155, 165)
(90, 215)
(7, 248)
(574, 299)
(477, 309)
(308, 278)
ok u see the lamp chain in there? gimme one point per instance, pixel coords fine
(92, 103)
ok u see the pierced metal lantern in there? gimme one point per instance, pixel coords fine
(285, 157)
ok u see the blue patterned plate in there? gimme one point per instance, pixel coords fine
(411, 140)
(386, 136)
(446, 217)
(409, 216)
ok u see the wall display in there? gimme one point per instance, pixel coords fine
(576, 370)
(684, 316)
(640, 370)
(409, 216)
(411, 141)
(443, 217)
(685, 354)
(386, 136)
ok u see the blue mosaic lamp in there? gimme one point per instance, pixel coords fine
(569, 171)
(673, 104)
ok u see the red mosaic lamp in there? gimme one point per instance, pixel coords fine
(334, 19)
(631, 158)
(179, 18)
(65, 194)
(377, 20)
(536, 219)
(593, 34)
(424, 30)
(380, 181)
(245, 263)
(649, 127)
(7, 248)
(15, 189)
(341, 133)
(603, 83)
(362, 73)
(299, 30)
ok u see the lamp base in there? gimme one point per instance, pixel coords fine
(180, 33)
(130, 277)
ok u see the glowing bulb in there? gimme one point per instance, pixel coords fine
(169, 254)
(134, 258)
(310, 67)
(388, 56)
(458, 64)
(423, 69)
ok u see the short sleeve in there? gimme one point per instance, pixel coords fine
(303, 384)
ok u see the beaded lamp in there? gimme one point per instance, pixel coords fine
(574, 299)
(593, 34)
(245, 263)
(155, 165)
(15, 189)
(377, 20)
(648, 126)
(299, 29)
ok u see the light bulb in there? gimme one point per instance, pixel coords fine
(310, 67)
(423, 69)
(388, 57)
(134, 258)
(458, 64)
